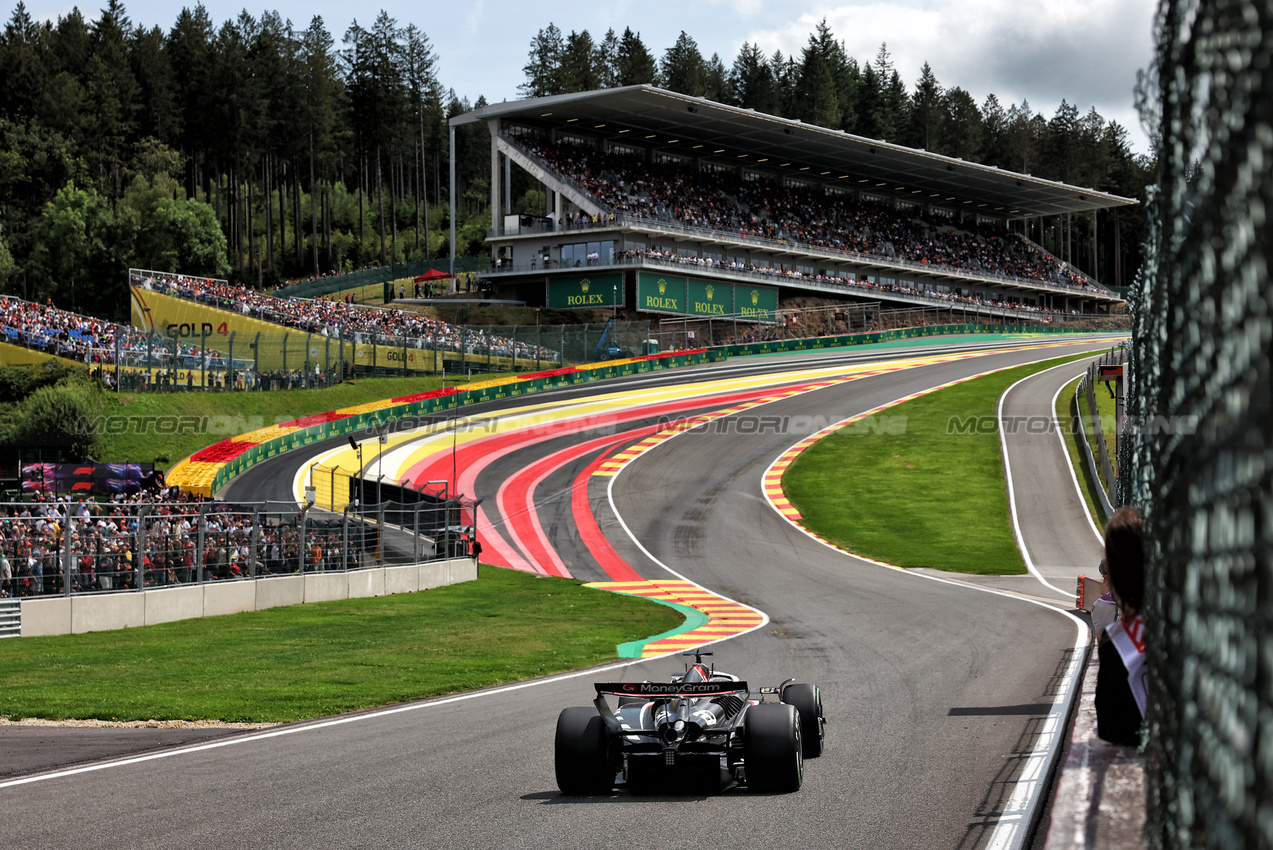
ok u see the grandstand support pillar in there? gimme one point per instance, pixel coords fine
(508, 185)
(496, 175)
(451, 130)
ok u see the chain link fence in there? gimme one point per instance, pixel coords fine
(1203, 335)
(268, 361)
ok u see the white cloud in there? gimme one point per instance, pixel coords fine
(1086, 52)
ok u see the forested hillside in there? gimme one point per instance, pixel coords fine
(262, 150)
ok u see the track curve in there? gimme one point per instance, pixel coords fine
(934, 693)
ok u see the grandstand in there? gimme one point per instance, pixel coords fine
(671, 205)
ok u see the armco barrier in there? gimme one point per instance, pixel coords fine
(209, 469)
(784, 345)
(60, 615)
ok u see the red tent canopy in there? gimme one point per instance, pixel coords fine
(432, 274)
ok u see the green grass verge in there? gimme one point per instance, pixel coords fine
(309, 661)
(133, 422)
(1107, 411)
(929, 497)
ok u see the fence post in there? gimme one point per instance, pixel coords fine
(139, 563)
(201, 537)
(380, 550)
(415, 537)
(344, 530)
(255, 547)
(67, 559)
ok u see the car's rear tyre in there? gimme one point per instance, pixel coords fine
(807, 700)
(582, 752)
(772, 751)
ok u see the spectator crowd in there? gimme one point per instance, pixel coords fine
(340, 319)
(629, 186)
(153, 540)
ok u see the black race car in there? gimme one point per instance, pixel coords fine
(703, 731)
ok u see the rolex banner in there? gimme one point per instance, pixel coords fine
(658, 293)
(710, 298)
(600, 290)
(755, 303)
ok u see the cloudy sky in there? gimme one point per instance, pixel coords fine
(1086, 52)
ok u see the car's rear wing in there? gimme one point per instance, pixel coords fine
(670, 689)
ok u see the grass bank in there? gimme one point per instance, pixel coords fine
(1067, 411)
(163, 428)
(932, 496)
(309, 661)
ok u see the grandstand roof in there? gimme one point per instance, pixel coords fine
(675, 122)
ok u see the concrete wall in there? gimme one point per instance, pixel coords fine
(61, 615)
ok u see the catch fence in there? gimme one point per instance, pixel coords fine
(62, 547)
(1203, 332)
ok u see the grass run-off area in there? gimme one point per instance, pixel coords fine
(930, 496)
(308, 661)
(194, 420)
(1066, 412)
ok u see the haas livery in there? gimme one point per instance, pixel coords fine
(704, 730)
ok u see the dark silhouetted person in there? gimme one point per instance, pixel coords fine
(1120, 680)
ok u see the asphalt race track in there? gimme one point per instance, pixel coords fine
(936, 691)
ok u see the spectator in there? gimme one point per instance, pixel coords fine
(1105, 609)
(1120, 684)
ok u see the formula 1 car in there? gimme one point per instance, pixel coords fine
(704, 730)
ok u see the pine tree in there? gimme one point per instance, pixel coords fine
(926, 112)
(635, 64)
(751, 81)
(961, 129)
(683, 69)
(994, 122)
(786, 79)
(717, 85)
(543, 65)
(580, 64)
(608, 59)
(112, 97)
